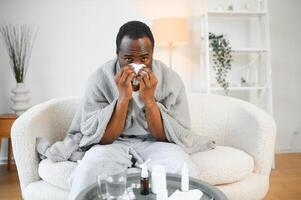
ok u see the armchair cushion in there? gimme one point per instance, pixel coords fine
(223, 165)
(56, 173)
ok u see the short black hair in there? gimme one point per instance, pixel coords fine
(134, 30)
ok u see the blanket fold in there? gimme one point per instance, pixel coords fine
(97, 106)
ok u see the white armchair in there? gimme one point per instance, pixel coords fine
(240, 165)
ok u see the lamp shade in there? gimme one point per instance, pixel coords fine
(171, 31)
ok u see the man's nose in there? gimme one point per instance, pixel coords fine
(137, 61)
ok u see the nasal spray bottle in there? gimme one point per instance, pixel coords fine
(184, 178)
(144, 181)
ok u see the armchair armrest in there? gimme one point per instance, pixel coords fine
(251, 129)
(49, 120)
(236, 123)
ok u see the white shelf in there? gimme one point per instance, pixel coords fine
(249, 34)
(215, 88)
(247, 50)
(236, 13)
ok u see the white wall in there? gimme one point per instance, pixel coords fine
(76, 36)
(285, 19)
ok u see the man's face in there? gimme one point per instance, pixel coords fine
(139, 51)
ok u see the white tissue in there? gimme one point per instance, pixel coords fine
(136, 67)
(162, 194)
(191, 195)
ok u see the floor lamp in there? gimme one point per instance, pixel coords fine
(171, 32)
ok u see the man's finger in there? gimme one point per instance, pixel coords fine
(129, 78)
(124, 75)
(122, 78)
(152, 76)
(141, 83)
(145, 78)
(118, 75)
(147, 69)
(144, 73)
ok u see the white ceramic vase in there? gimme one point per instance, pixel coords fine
(20, 99)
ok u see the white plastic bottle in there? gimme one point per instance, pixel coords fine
(184, 178)
(158, 178)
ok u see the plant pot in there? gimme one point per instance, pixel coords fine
(20, 99)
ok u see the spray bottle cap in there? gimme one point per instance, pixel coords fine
(184, 168)
(185, 178)
(144, 172)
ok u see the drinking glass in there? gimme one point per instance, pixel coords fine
(101, 192)
(115, 182)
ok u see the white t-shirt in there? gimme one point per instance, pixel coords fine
(136, 115)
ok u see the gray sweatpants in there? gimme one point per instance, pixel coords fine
(100, 158)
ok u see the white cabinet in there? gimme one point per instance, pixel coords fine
(246, 24)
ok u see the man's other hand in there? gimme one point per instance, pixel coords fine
(148, 82)
(123, 81)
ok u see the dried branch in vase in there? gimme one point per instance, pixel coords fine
(19, 41)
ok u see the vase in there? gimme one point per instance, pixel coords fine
(20, 99)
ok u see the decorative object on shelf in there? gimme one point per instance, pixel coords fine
(260, 5)
(220, 8)
(249, 73)
(220, 5)
(246, 6)
(19, 41)
(251, 77)
(171, 32)
(222, 58)
(243, 81)
(231, 7)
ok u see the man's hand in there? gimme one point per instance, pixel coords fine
(116, 124)
(123, 81)
(148, 82)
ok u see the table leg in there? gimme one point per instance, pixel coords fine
(9, 154)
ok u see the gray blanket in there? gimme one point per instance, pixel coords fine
(97, 105)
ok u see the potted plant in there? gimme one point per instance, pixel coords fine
(222, 58)
(18, 40)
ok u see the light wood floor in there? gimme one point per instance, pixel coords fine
(285, 180)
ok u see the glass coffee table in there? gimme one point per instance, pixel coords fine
(173, 183)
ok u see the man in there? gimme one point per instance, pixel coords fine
(120, 123)
(135, 46)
